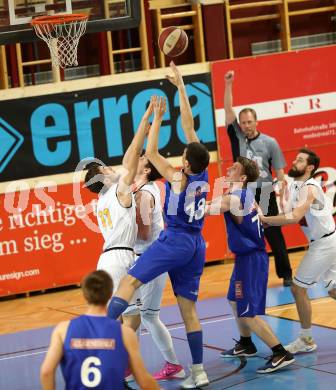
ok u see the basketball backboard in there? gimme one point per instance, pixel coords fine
(16, 15)
(21, 12)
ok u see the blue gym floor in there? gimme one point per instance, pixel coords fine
(21, 353)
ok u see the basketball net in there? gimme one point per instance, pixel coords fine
(61, 32)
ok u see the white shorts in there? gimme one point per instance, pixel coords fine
(318, 264)
(116, 263)
(151, 294)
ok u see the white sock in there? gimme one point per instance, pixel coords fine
(160, 336)
(306, 332)
(197, 367)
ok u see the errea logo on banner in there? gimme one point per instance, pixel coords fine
(63, 128)
(10, 141)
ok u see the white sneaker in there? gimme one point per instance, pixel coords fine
(197, 378)
(301, 344)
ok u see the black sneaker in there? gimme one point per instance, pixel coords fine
(276, 362)
(240, 350)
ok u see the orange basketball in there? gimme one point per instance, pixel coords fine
(173, 41)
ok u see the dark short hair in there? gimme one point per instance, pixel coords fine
(92, 179)
(250, 168)
(313, 159)
(198, 157)
(154, 174)
(97, 287)
(248, 109)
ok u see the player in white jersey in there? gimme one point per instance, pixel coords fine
(150, 224)
(310, 207)
(116, 210)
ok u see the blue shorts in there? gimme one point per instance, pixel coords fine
(181, 254)
(248, 283)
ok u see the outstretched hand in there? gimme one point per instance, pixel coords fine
(229, 76)
(150, 108)
(159, 104)
(176, 77)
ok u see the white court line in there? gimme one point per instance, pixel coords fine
(19, 356)
(286, 308)
(145, 333)
(202, 323)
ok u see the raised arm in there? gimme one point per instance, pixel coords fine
(131, 159)
(186, 114)
(160, 163)
(230, 115)
(133, 152)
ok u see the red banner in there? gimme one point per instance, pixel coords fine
(49, 237)
(44, 241)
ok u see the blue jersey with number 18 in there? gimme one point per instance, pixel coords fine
(186, 210)
(249, 235)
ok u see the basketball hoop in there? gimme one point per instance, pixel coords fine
(61, 32)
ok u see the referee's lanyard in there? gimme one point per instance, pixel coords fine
(249, 151)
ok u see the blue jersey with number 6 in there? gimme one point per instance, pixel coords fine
(186, 210)
(249, 235)
(94, 356)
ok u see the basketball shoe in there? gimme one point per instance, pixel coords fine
(197, 378)
(170, 371)
(301, 344)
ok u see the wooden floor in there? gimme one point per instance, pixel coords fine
(49, 308)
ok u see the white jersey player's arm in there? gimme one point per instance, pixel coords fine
(144, 214)
(187, 119)
(137, 366)
(307, 196)
(144, 124)
(53, 356)
(166, 170)
(131, 160)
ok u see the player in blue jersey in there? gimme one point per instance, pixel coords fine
(248, 284)
(94, 350)
(180, 248)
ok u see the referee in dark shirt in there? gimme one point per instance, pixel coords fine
(246, 141)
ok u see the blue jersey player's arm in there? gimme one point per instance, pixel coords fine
(137, 366)
(53, 356)
(177, 179)
(186, 113)
(225, 203)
